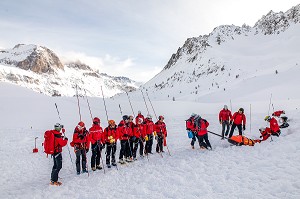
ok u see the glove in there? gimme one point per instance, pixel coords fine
(230, 122)
(112, 141)
(146, 138)
(65, 138)
(244, 127)
(63, 130)
(220, 122)
(80, 136)
(133, 138)
(154, 133)
(87, 150)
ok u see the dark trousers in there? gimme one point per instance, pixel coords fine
(225, 124)
(96, 155)
(159, 146)
(128, 150)
(82, 153)
(205, 138)
(149, 144)
(57, 159)
(239, 126)
(193, 139)
(123, 148)
(111, 151)
(136, 144)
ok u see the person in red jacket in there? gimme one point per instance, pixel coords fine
(149, 128)
(161, 133)
(278, 113)
(238, 120)
(191, 126)
(224, 119)
(139, 134)
(265, 133)
(60, 141)
(275, 130)
(96, 139)
(139, 116)
(125, 131)
(81, 146)
(110, 138)
(201, 129)
(132, 138)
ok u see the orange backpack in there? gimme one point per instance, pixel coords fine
(240, 140)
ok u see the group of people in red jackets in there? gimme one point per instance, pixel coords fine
(198, 126)
(131, 135)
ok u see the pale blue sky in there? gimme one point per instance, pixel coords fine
(133, 38)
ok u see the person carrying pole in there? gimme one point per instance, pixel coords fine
(139, 134)
(125, 131)
(149, 128)
(96, 138)
(110, 138)
(80, 143)
(161, 133)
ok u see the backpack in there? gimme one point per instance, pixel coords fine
(49, 145)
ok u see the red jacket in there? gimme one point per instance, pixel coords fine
(265, 134)
(138, 117)
(278, 113)
(239, 118)
(124, 130)
(190, 124)
(225, 115)
(149, 127)
(139, 131)
(274, 125)
(81, 138)
(201, 127)
(160, 128)
(96, 133)
(59, 142)
(110, 132)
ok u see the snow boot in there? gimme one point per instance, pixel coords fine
(114, 164)
(98, 167)
(94, 168)
(78, 172)
(55, 183)
(108, 166)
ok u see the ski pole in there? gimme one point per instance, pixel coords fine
(87, 100)
(65, 136)
(270, 104)
(120, 109)
(217, 134)
(145, 102)
(130, 105)
(151, 105)
(104, 104)
(230, 105)
(78, 103)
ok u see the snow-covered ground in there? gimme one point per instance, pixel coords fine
(267, 170)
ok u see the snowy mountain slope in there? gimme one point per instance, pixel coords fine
(267, 170)
(40, 69)
(230, 55)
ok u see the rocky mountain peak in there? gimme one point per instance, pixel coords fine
(35, 58)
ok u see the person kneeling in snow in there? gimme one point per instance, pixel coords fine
(81, 146)
(201, 128)
(275, 130)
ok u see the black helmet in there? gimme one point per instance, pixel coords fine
(125, 117)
